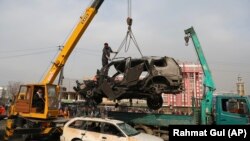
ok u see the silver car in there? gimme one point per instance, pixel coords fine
(102, 129)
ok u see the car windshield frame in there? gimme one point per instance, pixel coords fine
(127, 129)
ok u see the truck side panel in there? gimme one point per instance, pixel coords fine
(162, 120)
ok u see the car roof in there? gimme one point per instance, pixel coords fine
(120, 64)
(98, 119)
(143, 58)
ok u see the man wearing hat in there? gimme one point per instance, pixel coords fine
(106, 54)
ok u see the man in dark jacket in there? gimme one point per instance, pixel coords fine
(38, 100)
(106, 54)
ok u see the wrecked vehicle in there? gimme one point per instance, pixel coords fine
(134, 78)
(104, 129)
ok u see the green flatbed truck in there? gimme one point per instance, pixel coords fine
(227, 110)
(224, 109)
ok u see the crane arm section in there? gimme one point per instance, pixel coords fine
(209, 86)
(70, 44)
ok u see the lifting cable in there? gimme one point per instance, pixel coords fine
(129, 35)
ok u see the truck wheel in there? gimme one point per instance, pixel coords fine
(76, 140)
(165, 137)
(154, 102)
(141, 130)
(144, 129)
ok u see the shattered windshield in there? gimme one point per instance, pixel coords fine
(127, 129)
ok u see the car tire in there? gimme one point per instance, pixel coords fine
(155, 102)
(76, 140)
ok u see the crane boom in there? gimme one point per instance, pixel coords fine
(208, 82)
(41, 112)
(62, 57)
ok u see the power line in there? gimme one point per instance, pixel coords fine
(26, 54)
(58, 50)
(91, 50)
(20, 50)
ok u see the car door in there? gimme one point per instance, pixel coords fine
(23, 100)
(132, 73)
(75, 130)
(93, 131)
(111, 133)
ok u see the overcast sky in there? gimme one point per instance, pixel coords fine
(31, 30)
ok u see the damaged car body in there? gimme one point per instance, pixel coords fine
(135, 78)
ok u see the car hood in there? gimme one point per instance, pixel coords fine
(143, 137)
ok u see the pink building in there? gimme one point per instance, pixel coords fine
(193, 78)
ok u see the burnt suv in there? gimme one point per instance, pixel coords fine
(135, 78)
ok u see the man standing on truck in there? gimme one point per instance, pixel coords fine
(106, 54)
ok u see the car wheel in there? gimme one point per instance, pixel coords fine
(77, 140)
(154, 102)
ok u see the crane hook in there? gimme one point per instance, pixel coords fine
(186, 38)
(129, 22)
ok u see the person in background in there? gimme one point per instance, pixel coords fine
(2, 110)
(3, 113)
(61, 113)
(66, 113)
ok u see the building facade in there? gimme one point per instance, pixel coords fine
(3, 92)
(193, 86)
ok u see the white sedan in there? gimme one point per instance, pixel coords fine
(100, 129)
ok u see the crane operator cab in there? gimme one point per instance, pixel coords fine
(37, 101)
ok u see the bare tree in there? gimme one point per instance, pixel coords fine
(13, 88)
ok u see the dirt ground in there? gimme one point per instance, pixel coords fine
(14, 138)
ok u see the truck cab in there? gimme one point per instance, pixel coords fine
(233, 109)
(26, 104)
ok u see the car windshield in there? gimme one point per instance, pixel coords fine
(127, 129)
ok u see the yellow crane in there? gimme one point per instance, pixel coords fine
(23, 112)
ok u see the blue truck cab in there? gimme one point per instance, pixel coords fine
(233, 109)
